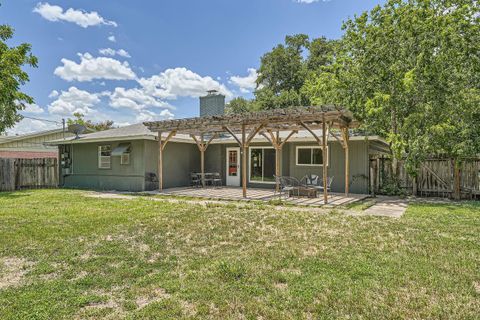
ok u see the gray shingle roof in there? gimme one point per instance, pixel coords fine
(135, 130)
(140, 131)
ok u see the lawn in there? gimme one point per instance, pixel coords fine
(66, 255)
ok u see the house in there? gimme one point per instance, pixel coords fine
(29, 146)
(129, 158)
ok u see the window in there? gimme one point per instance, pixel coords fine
(262, 164)
(310, 156)
(125, 158)
(104, 156)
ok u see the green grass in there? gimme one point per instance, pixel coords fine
(65, 255)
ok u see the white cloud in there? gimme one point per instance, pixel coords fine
(33, 108)
(79, 17)
(123, 53)
(91, 68)
(74, 100)
(53, 94)
(113, 52)
(180, 82)
(136, 99)
(30, 125)
(247, 83)
(112, 39)
(107, 52)
(147, 115)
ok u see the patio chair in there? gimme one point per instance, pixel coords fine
(208, 179)
(312, 180)
(195, 180)
(288, 185)
(216, 179)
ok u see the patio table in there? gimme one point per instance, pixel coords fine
(303, 191)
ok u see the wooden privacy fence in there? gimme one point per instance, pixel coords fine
(436, 177)
(28, 173)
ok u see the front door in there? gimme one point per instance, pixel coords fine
(233, 167)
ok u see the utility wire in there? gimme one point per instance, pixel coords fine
(40, 119)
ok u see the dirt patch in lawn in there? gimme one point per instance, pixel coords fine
(13, 270)
(157, 295)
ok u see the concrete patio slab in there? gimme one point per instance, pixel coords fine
(388, 207)
(266, 195)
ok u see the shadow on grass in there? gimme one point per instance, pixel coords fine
(13, 194)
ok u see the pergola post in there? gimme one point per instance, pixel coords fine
(160, 162)
(244, 161)
(325, 160)
(202, 160)
(322, 143)
(345, 136)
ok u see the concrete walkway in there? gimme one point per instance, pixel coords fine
(388, 207)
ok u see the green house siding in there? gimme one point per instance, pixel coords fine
(336, 165)
(140, 175)
(179, 159)
(86, 174)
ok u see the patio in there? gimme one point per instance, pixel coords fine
(257, 194)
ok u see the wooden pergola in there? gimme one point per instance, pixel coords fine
(243, 128)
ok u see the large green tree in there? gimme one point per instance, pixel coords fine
(409, 70)
(12, 77)
(284, 69)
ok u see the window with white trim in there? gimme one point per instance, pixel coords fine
(309, 156)
(104, 156)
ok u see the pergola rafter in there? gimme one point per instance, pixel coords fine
(244, 127)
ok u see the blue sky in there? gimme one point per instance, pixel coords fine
(131, 61)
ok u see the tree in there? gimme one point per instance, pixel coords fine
(97, 126)
(12, 77)
(283, 68)
(321, 54)
(409, 70)
(239, 105)
(283, 71)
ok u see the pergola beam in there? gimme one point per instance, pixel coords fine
(278, 119)
(337, 138)
(233, 135)
(311, 131)
(254, 133)
(266, 137)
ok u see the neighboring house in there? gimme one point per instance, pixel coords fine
(127, 159)
(29, 146)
